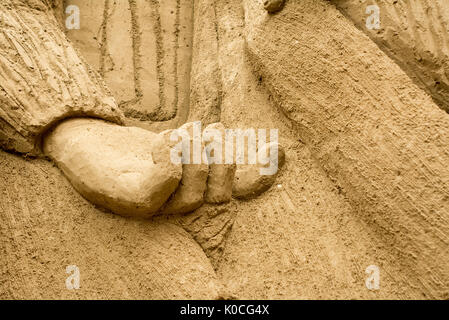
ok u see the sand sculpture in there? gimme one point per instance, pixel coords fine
(273, 6)
(125, 169)
(363, 151)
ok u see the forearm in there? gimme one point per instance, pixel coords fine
(43, 80)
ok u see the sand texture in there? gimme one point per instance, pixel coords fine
(361, 123)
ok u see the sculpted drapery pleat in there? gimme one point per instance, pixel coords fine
(378, 137)
(42, 78)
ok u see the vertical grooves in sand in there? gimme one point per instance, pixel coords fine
(135, 34)
(161, 114)
(159, 56)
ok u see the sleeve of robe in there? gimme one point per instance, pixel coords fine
(42, 78)
(380, 138)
